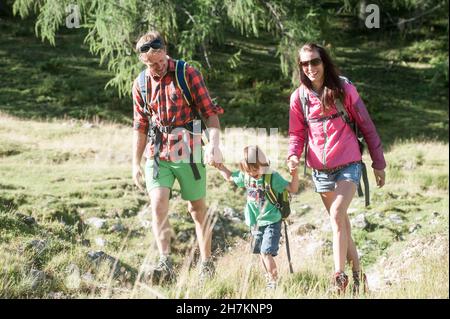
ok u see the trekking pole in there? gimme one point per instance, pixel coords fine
(288, 252)
(306, 153)
(366, 184)
(360, 191)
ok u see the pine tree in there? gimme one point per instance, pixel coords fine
(191, 27)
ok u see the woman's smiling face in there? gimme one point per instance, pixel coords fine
(312, 66)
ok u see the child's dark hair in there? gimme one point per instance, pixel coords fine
(254, 158)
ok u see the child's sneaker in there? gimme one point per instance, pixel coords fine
(340, 282)
(271, 285)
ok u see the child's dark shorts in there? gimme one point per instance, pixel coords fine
(266, 239)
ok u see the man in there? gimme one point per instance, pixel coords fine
(172, 151)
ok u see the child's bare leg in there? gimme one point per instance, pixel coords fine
(262, 262)
(270, 266)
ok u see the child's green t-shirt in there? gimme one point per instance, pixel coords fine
(258, 208)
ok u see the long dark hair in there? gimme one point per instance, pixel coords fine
(333, 87)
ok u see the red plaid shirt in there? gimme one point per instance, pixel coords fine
(168, 107)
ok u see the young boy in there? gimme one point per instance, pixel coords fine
(261, 215)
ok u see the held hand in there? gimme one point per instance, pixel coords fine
(213, 156)
(294, 171)
(380, 176)
(292, 164)
(138, 177)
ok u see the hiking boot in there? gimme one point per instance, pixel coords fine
(340, 282)
(358, 278)
(161, 273)
(207, 270)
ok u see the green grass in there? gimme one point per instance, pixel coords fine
(63, 182)
(41, 81)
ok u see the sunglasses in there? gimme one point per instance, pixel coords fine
(313, 62)
(154, 44)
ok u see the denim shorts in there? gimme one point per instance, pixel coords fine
(326, 182)
(267, 239)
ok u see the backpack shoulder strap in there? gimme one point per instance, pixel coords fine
(339, 104)
(303, 95)
(142, 82)
(340, 107)
(345, 79)
(267, 180)
(180, 75)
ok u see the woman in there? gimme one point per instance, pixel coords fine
(332, 148)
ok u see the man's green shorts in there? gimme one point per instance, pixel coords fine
(191, 189)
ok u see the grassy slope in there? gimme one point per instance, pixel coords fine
(41, 81)
(53, 180)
